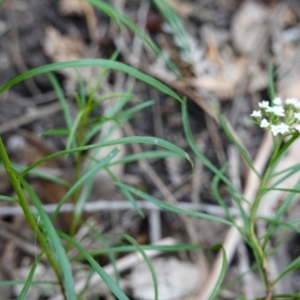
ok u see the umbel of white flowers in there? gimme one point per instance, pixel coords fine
(282, 118)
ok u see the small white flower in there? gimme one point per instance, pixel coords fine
(297, 127)
(264, 123)
(281, 128)
(263, 104)
(292, 101)
(275, 129)
(256, 114)
(277, 101)
(284, 128)
(276, 110)
(297, 116)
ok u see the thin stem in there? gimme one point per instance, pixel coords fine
(257, 247)
(78, 162)
(28, 215)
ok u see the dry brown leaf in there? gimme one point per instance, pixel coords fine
(258, 79)
(224, 82)
(289, 17)
(81, 8)
(63, 48)
(71, 7)
(248, 25)
(182, 8)
(289, 85)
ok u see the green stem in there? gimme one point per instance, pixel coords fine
(78, 163)
(257, 247)
(28, 215)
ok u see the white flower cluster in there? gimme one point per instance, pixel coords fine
(282, 118)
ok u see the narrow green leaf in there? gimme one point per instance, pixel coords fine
(95, 265)
(117, 15)
(79, 206)
(28, 281)
(295, 264)
(127, 194)
(72, 136)
(110, 255)
(201, 156)
(53, 239)
(283, 149)
(284, 206)
(169, 207)
(61, 98)
(147, 260)
(271, 86)
(7, 198)
(91, 63)
(177, 28)
(57, 131)
(217, 287)
(126, 248)
(241, 150)
(81, 90)
(19, 282)
(144, 155)
(42, 174)
(122, 141)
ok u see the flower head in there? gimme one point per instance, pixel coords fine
(297, 116)
(256, 114)
(263, 104)
(277, 101)
(281, 128)
(283, 117)
(264, 123)
(276, 110)
(292, 101)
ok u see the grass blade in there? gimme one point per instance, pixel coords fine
(79, 206)
(95, 265)
(177, 27)
(241, 150)
(127, 140)
(103, 63)
(53, 240)
(28, 281)
(126, 249)
(201, 156)
(127, 194)
(144, 155)
(7, 198)
(61, 98)
(116, 15)
(222, 273)
(168, 207)
(147, 260)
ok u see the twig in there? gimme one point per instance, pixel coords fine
(109, 205)
(20, 64)
(216, 140)
(38, 113)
